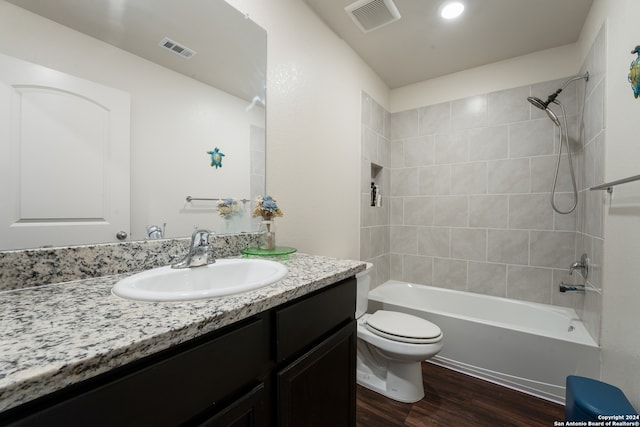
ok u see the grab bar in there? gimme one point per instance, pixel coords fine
(609, 185)
(214, 199)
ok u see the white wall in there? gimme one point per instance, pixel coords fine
(524, 70)
(313, 127)
(168, 162)
(620, 338)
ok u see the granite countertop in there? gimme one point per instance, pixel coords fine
(55, 335)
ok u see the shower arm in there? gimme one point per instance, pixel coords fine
(585, 76)
(554, 95)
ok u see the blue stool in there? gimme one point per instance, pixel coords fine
(587, 398)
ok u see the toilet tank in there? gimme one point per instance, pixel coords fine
(363, 280)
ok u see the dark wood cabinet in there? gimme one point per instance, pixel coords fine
(293, 365)
(313, 391)
(316, 348)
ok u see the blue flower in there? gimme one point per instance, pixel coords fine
(228, 207)
(269, 205)
(266, 207)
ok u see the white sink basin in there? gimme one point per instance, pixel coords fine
(224, 277)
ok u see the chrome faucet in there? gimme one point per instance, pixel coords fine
(155, 231)
(582, 265)
(200, 252)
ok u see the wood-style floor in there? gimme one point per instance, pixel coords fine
(455, 399)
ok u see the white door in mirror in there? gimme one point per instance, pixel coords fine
(224, 277)
(64, 159)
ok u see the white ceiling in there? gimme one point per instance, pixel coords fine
(422, 46)
(231, 50)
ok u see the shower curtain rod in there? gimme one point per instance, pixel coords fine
(609, 185)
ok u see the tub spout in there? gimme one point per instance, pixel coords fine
(570, 288)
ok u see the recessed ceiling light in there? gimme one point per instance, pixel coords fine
(452, 10)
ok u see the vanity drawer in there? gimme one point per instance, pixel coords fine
(306, 321)
(170, 391)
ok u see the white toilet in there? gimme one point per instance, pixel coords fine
(391, 346)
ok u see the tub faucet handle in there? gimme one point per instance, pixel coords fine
(582, 265)
(574, 265)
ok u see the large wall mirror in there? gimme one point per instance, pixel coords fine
(156, 86)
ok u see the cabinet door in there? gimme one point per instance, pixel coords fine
(304, 322)
(318, 389)
(248, 411)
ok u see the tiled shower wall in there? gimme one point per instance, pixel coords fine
(374, 221)
(470, 186)
(590, 238)
(466, 187)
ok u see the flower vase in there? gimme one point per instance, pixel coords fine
(267, 235)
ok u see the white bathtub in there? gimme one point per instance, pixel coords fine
(525, 346)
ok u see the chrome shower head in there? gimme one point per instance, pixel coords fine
(538, 103)
(544, 105)
(554, 118)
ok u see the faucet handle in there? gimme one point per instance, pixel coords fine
(583, 266)
(200, 238)
(586, 263)
(200, 252)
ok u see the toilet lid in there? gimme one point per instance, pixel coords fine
(403, 327)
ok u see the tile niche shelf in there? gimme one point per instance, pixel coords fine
(376, 185)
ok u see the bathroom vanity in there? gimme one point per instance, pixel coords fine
(281, 355)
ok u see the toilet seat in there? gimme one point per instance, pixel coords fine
(403, 327)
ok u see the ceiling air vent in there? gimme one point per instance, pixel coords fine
(176, 48)
(373, 14)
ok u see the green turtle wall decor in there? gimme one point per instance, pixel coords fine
(634, 73)
(216, 158)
